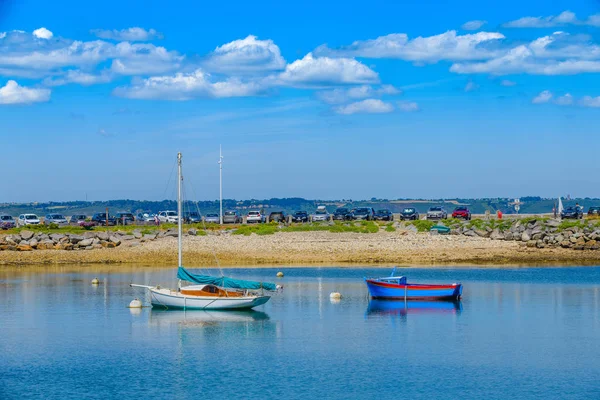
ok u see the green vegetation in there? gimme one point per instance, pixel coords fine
(390, 227)
(422, 225)
(337, 227)
(259, 229)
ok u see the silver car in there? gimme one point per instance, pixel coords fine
(28, 219)
(212, 219)
(437, 213)
(255, 217)
(320, 215)
(7, 222)
(232, 217)
(57, 219)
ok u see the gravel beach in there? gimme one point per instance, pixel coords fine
(312, 248)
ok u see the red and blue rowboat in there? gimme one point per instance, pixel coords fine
(397, 288)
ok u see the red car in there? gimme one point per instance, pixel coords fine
(461, 212)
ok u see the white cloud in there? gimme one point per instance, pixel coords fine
(543, 97)
(339, 96)
(81, 78)
(589, 101)
(471, 86)
(12, 93)
(565, 100)
(556, 54)
(188, 86)
(507, 83)
(368, 106)
(323, 71)
(408, 106)
(563, 19)
(473, 25)
(134, 34)
(246, 55)
(43, 33)
(446, 46)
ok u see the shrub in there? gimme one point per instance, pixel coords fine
(422, 225)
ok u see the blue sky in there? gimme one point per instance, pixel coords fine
(335, 99)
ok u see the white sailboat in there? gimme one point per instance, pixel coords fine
(210, 293)
(560, 206)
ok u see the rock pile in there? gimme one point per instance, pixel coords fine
(540, 233)
(28, 240)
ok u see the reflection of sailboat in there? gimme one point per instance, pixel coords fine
(402, 308)
(199, 317)
(210, 293)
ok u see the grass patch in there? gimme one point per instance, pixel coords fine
(390, 227)
(423, 225)
(571, 224)
(337, 227)
(259, 229)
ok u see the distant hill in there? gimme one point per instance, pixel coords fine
(529, 205)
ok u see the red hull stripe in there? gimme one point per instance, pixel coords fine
(409, 286)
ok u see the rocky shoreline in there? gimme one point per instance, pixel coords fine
(529, 243)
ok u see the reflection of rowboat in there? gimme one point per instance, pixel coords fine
(396, 287)
(395, 307)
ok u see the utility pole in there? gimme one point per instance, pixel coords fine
(220, 186)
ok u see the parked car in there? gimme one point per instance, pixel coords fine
(571, 213)
(145, 217)
(232, 217)
(384, 215)
(342, 214)
(168, 216)
(7, 222)
(255, 217)
(77, 219)
(409, 213)
(212, 219)
(277, 216)
(461, 212)
(320, 214)
(124, 218)
(102, 220)
(28, 219)
(437, 213)
(57, 219)
(192, 217)
(363, 213)
(594, 212)
(300, 216)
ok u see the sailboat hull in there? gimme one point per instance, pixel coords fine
(168, 299)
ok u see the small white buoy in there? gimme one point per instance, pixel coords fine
(135, 303)
(95, 281)
(280, 274)
(335, 295)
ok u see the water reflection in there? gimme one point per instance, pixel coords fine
(403, 308)
(201, 318)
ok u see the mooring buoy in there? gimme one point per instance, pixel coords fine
(135, 303)
(280, 274)
(95, 281)
(335, 295)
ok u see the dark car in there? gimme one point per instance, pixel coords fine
(7, 222)
(102, 220)
(384, 215)
(77, 219)
(594, 212)
(342, 214)
(409, 213)
(277, 216)
(571, 213)
(191, 217)
(124, 218)
(300, 216)
(461, 212)
(363, 213)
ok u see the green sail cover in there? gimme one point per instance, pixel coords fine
(223, 281)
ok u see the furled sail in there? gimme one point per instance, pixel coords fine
(223, 281)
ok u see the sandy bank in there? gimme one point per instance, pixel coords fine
(311, 248)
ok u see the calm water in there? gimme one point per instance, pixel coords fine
(521, 333)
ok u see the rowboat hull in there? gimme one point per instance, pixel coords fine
(168, 299)
(395, 291)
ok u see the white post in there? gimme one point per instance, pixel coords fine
(179, 214)
(220, 186)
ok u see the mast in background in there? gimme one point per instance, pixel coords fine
(179, 211)
(220, 186)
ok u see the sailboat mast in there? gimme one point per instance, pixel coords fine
(220, 186)
(179, 210)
